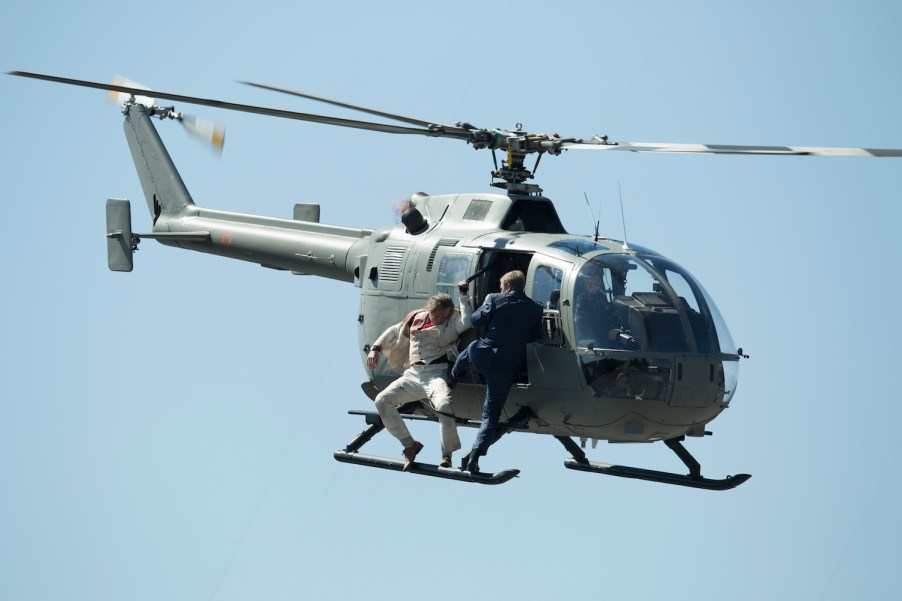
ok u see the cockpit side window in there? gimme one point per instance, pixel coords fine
(692, 301)
(682, 288)
(645, 303)
(596, 316)
(620, 304)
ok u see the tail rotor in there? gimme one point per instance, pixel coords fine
(209, 132)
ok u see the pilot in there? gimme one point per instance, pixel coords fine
(422, 345)
(596, 318)
(592, 287)
(511, 319)
(591, 304)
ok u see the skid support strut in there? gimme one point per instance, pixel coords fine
(375, 426)
(694, 479)
(695, 468)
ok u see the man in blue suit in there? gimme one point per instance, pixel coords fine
(511, 319)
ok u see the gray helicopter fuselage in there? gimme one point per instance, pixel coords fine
(652, 361)
(665, 369)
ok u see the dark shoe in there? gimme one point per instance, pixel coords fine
(473, 466)
(446, 461)
(410, 453)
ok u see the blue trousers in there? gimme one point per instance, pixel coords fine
(495, 396)
(497, 389)
(462, 362)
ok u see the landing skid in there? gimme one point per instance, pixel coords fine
(426, 469)
(351, 454)
(694, 479)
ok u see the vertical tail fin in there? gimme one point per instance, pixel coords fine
(163, 187)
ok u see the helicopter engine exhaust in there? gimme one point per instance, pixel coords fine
(414, 221)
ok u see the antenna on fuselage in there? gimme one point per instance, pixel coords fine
(626, 245)
(592, 215)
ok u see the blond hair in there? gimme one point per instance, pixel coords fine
(515, 279)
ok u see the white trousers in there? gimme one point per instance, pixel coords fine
(420, 382)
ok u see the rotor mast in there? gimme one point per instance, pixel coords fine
(518, 144)
(514, 173)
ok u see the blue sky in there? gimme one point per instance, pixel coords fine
(168, 433)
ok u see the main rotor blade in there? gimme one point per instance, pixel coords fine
(478, 138)
(246, 108)
(600, 144)
(362, 109)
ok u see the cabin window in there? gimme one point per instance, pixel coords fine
(546, 289)
(546, 286)
(452, 269)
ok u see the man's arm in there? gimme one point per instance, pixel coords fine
(484, 313)
(537, 324)
(463, 321)
(387, 338)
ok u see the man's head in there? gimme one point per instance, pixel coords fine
(440, 307)
(592, 283)
(513, 280)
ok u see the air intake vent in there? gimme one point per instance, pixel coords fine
(392, 262)
(442, 242)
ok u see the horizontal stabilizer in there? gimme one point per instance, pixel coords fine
(177, 236)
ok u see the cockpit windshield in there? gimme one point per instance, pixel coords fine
(647, 303)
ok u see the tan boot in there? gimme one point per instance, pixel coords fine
(410, 453)
(446, 461)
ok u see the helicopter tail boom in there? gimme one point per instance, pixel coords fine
(297, 245)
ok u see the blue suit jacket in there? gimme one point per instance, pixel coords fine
(512, 320)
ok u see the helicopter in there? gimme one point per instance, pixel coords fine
(633, 348)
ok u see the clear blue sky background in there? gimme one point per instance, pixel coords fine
(167, 434)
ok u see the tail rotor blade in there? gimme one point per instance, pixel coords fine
(205, 130)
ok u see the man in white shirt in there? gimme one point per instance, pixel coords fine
(429, 336)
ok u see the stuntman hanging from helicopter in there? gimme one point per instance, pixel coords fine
(422, 346)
